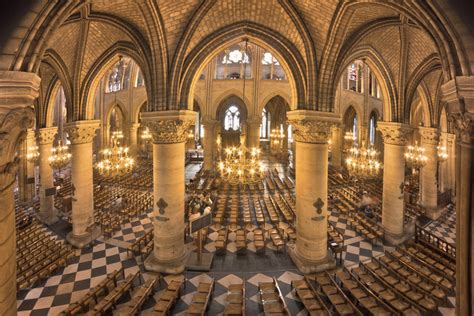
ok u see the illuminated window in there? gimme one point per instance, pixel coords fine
(232, 119)
(271, 68)
(265, 126)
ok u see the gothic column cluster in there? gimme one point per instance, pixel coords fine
(81, 134)
(253, 132)
(18, 90)
(169, 131)
(395, 137)
(336, 146)
(311, 131)
(133, 137)
(26, 170)
(45, 143)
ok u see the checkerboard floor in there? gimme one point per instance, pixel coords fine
(108, 254)
(445, 228)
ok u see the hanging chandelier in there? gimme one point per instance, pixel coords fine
(276, 138)
(241, 165)
(363, 163)
(349, 136)
(415, 157)
(442, 153)
(116, 161)
(32, 154)
(60, 156)
(146, 135)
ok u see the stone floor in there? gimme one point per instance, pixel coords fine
(107, 254)
(445, 228)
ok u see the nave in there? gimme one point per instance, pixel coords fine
(370, 277)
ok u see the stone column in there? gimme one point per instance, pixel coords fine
(84, 230)
(443, 166)
(209, 143)
(336, 146)
(395, 138)
(451, 162)
(311, 130)
(26, 169)
(134, 138)
(169, 136)
(428, 182)
(459, 97)
(45, 143)
(253, 132)
(18, 91)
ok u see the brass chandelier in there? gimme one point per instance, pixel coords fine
(276, 138)
(60, 156)
(241, 165)
(116, 160)
(415, 157)
(146, 135)
(32, 154)
(363, 163)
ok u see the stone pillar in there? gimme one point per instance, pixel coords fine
(209, 143)
(47, 212)
(395, 138)
(169, 136)
(253, 132)
(443, 166)
(18, 91)
(451, 162)
(336, 146)
(134, 138)
(311, 130)
(26, 169)
(84, 230)
(459, 97)
(428, 182)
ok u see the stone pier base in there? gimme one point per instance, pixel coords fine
(174, 266)
(84, 240)
(307, 267)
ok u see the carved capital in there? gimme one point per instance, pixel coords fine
(13, 129)
(46, 135)
(134, 127)
(394, 133)
(312, 126)
(463, 126)
(8, 174)
(81, 132)
(168, 127)
(429, 135)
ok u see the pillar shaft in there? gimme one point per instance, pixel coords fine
(311, 131)
(429, 185)
(26, 169)
(169, 129)
(209, 143)
(253, 133)
(336, 146)
(134, 138)
(81, 135)
(18, 90)
(45, 143)
(395, 138)
(464, 177)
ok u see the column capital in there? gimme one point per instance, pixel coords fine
(463, 123)
(81, 132)
(312, 126)
(8, 173)
(46, 135)
(429, 135)
(135, 126)
(168, 127)
(394, 133)
(254, 121)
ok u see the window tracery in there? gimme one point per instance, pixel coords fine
(232, 119)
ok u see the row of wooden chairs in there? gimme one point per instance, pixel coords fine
(312, 302)
(271, 299)
(141, 245)
(133, 307)
(168, 298)
(235, 299)
(201, 298)
(363, 225)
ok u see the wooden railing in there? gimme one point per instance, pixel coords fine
(438, 244)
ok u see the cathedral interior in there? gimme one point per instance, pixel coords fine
(236, 157)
